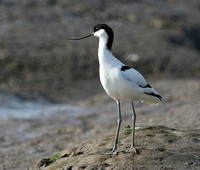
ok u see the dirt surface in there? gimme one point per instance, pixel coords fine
(158, 147)
(95, 117)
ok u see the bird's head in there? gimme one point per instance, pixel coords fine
(101, 31)
(105, 32)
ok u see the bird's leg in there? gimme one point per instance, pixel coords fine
(114, 150)
(133, 131)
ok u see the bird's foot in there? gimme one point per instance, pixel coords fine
(132, 149)
(113, 152)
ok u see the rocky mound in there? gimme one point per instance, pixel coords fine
(159, 147)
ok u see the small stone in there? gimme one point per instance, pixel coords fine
(190, 163)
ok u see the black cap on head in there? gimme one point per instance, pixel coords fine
(109, 31)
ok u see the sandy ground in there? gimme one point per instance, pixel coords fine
(29, 140)
(158, 147)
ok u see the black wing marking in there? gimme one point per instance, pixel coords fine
(153, 94)
(124, 68)
(147, 86)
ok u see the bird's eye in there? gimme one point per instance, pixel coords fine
(96, 29)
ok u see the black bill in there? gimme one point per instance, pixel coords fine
(79, 38)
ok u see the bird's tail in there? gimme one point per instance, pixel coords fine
(151, 96)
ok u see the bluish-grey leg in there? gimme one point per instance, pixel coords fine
(133, 131)
(114, 150)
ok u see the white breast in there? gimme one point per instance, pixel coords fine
(110, 81)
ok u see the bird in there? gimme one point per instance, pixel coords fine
(121, 82)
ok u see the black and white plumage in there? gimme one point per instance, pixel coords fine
(120, 82)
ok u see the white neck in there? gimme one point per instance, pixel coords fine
(103, 51)
(105, 56)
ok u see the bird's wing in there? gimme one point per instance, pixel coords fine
(134, 76)
(138, 80)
